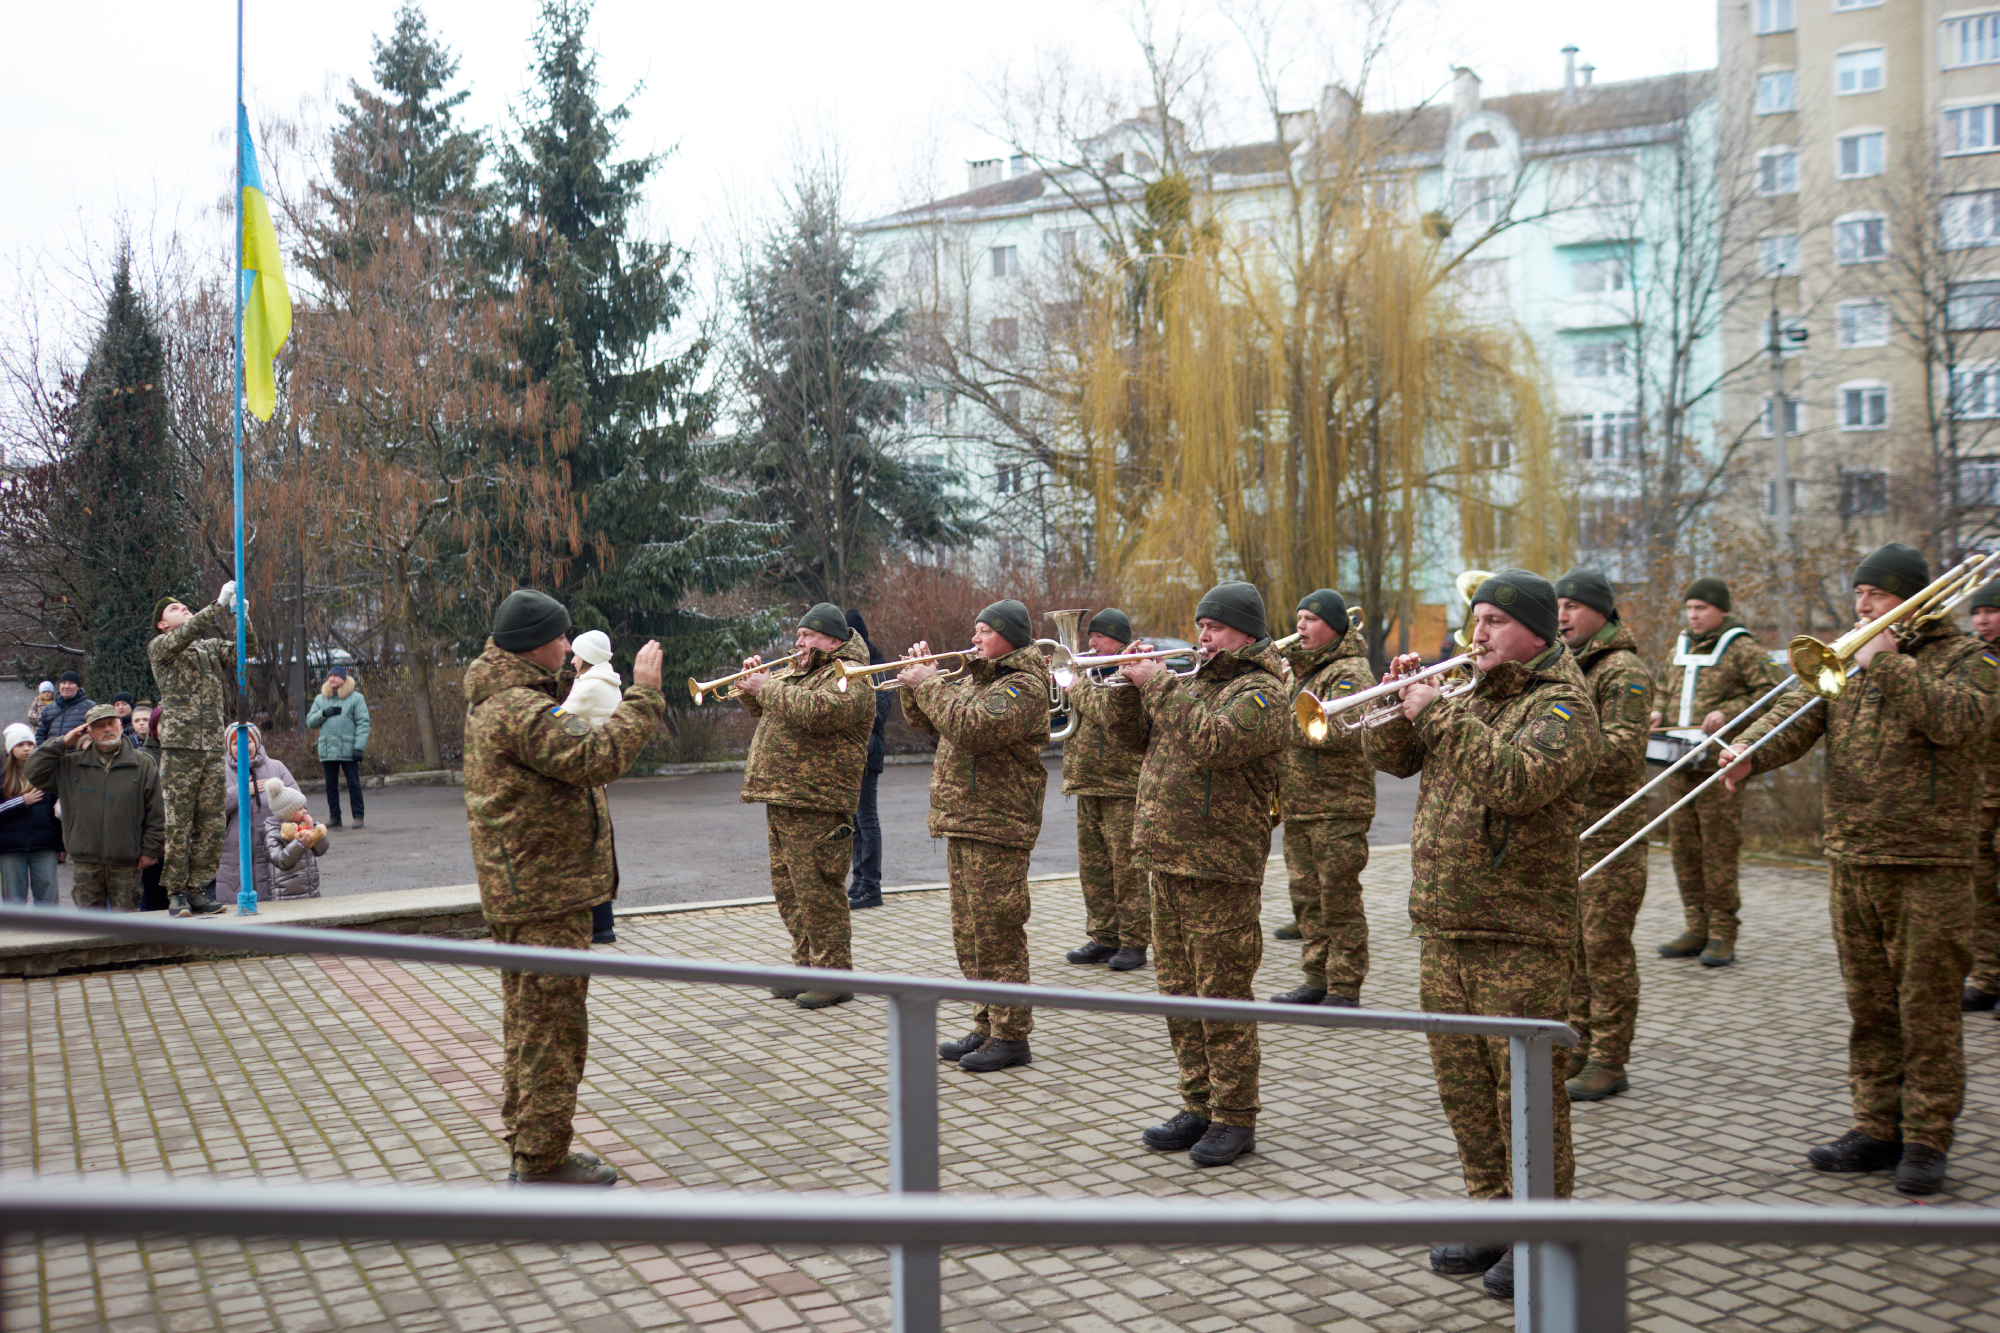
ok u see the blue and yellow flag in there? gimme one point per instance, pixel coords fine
(267, 302)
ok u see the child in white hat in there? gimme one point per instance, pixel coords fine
(292, 841)
(597, 692)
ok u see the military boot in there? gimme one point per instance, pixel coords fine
(1577, 1060)
(1596, 1082)
(1684, 945)
(1127, 958)
(1855, 1151)
(202, 901)
(1289, 931)
(1177, 1135)
(1333, 1001)
(822, 999)
(964, 1046)
(996, 1054)
(571, 1171)
(1718, 953)
(1223, 1144)
(579, 1159)
(1461, 1260)
(1089, 952)
(1307, 994)
(1921, 1171)
(178, 905)
(787, 992)
(1977, 1000)
(1499, 1279)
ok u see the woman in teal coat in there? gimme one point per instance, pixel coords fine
(340, 714)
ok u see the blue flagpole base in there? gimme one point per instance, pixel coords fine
(246, 902)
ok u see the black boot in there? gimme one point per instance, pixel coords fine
(202, 902)
(996, 1055)
(1499, 1279)
(1977, 1000)
(1177, 1135)
(1090, 952)
(1223, 1144)
(1855, 1151)
(1921, 1171)
(1127, 958)
(1288, 931)
(1300, 995)
(1462, 1260)
(859, 898)
(964, 1046)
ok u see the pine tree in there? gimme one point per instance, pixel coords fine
(821, 420)
(650, 527)
(118, 493)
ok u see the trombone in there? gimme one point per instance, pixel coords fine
(724, 688)
(848, 671)
(1315, 715)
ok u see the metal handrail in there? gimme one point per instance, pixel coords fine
(915, 1273)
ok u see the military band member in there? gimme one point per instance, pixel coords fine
(1717, 670)
(1327, 797)
(805, 764)
(1203, 833)
(1905, 744)
(542, 847)
(1604, 992)
(987, 785)
(1493, 859)
(196, 675)
(1101, 762)
(1982, 984)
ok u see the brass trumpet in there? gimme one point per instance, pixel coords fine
(1822, 667)
(1315, 715)
(848, 671)
(723, 688)
(1078, 663)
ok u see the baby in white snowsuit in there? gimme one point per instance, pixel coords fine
(597, 692)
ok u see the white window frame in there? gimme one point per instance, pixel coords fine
(1983, 474)
(1975, 391)
(1006, 261)
(1784, 180)
(1849, 330)
(1858, 136)
(1613, 355)
(1853, 474)
(1864, 406)
(1483, 200)
(1971, 220)
(1979, 33)
(1842, 6)
(1767, 106)
(1955, 118)
(1604, 437)
(1773, 16)
(1795, 414)
(1618, 269)
(1988, 298)
(1841, 254)
(1767, 269)
(1860, 88)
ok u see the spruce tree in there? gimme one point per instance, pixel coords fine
(117, 486)
(650, 526)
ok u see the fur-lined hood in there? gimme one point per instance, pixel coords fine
(345, 688)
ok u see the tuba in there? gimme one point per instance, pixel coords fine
(1059, 651)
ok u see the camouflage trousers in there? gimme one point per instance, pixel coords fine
(1604, 989)
(545, 1028)
(989, 926)
(1903, 933)
(1706, 837)
(1324, 859)
(1985, 972)
(1500, 979)
(1208, 941)
(113, 888)
(810, 852)
(1117, 903)
(191, 789)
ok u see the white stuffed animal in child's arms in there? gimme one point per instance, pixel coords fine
(597, 692)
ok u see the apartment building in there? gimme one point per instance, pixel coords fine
(1864, 135)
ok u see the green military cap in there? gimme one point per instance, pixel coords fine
(527, 620)
(1328, 605)
(1896, 569)
(160, 607)
(1236, 604)
(1710, 589)
(1112, 624)
(1593, 589)
(101, 713)
(1527, 597)
(825, 618)
(1008, 619)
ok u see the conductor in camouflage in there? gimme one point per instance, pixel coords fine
(542, 848)
(1326, 795)
(196, 676)
(805, 764)
(1101, 760)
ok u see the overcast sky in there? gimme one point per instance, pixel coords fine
(122, 109)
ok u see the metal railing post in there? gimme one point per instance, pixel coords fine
(1531, 1074)
(915, 1282)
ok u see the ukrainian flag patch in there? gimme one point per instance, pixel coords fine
(1562, 711)
(1013, 693)
(1262, 702)
(1636, 689)
(1345, 687)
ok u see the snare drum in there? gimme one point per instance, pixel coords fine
(1668, 747)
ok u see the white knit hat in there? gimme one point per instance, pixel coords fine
(46, 687)
(285, 801)
(19, 733)
(593, 646)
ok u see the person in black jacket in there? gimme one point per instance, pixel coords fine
(68, 711)
(30, 837)
(865, 888)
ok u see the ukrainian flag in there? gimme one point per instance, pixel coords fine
(267, 302)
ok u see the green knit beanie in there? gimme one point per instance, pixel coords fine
(1710, 589)
(1896, 569)
(1329, 606)
(1988, 596)
(1592, 588)
(1112, 624)
(1237, 605)
(826, 618)
(527, 620)
(1528, 598)
(1008, 619)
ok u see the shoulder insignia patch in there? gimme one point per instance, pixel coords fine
(1551, 731)
(1344, 687)
(571, 724)
(1000, 700)
(1987, 676)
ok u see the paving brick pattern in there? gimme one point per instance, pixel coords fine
(293, 1069)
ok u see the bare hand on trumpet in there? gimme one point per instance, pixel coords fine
(913, 676)
(1735, 768)
(1141, 672)
(1417, 694)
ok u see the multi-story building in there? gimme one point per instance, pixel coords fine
(1864, 134)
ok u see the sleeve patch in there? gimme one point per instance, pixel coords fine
(999, 701)
(1551, 731)
(1345, 687)
(1986, 674)
(571, 724)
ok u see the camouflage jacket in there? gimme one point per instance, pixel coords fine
(811, 742)
(1744, 675)
(1103, 755)
(1494, 852)
(987, 782)
(1331, 779)
(1205, 792)
(196, 677)
(1906, 743)
(534, 787)
(1622, 689)
(1989, 798)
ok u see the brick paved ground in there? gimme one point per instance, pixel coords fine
(297, 1069)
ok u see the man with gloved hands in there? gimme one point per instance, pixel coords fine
(196, 676)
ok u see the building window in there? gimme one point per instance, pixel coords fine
(1598, 360)
(1970, 129)
(1778, 171)
(1974, 40)
(1065, 245)
(1482, 200)
(1858, 155)
(1971, 306)
(1493, 450)
(1975, 392)
(1863, 491)
(1010, 404)
(1979, 481)
(1006, 261)
(1855, 4)
(1604, 437)
(1484, 279)
(1972, 220)
(1594, 182)
(1007, 478)
(1598, 275)
(1006, 336)
(1480, 141)
(1059, 318)
(1774, 93)
(1862, 238)
(1602, 524)
(1795, 416)
(1771, 496)
(1862, 324)
(1864, 405)
(1777, 254)
(1858, 72)
(1774, 16)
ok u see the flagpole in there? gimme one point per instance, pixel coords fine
(246, 878)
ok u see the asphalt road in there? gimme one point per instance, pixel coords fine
(689, 839)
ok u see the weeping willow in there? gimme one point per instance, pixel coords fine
(1318, 410)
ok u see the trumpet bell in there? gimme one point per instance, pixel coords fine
(1311, 715)
(1818, 667)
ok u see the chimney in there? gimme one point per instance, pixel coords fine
(1464, 94)
(1569, 72)
(982, 173)
(1588, 70)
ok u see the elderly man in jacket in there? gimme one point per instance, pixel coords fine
(114, 821)
(1203, 832)
(339, 713)
(805, 764)
(196, 675)
(1101, 761)
(542, 847)
(987, 785)
(1493, 861)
